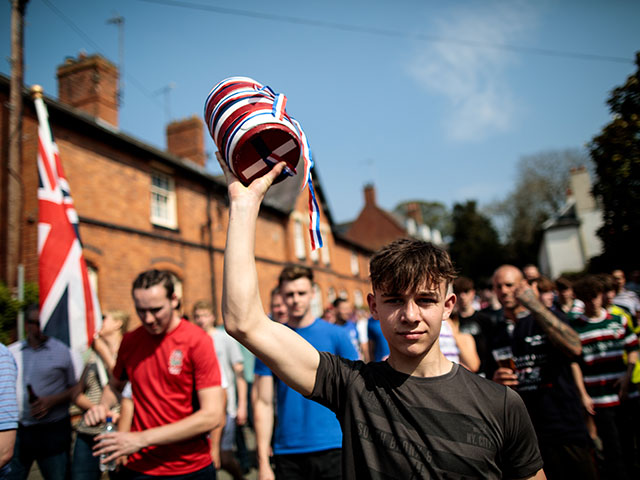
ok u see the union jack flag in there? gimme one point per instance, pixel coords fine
(69, 308)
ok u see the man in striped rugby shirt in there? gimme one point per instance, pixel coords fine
(605, 337)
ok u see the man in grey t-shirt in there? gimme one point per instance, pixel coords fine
(411, 298)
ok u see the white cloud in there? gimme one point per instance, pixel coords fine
(472, 78)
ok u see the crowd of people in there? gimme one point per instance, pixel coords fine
(523, 378)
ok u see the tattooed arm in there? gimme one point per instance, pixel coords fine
(561, 335)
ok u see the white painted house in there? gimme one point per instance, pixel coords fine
(570, 240)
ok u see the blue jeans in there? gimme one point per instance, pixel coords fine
(48, 445)
(84, 466)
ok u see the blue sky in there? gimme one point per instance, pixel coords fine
(428, 100)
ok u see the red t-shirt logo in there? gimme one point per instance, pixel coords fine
(175, 362)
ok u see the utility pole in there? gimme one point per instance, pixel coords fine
(14, 178)
(118, 20)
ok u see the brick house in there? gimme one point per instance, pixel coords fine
(374, 227)
(141, 207)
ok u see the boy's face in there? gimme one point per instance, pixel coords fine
(547, 298)
(608, 297)
(154, 308)
(344, 312)
(410, 321)
(297, 296)
(593, 307)
(279, 309)
(618, 275)
(204, 318)
(566, 295)
(465, 299)
(110, 324)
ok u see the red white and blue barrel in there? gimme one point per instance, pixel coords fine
(253, 132)
(251, 128)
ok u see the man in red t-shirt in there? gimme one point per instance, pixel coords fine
(175, 381)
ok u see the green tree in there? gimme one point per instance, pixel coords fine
(540, 191)
(616, 154)
(9, 308)
(434, 214)
(475, 247)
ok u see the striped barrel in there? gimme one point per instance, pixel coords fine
(252, 130)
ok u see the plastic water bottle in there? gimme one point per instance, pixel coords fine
(111, 466)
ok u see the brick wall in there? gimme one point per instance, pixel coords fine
(110, 182)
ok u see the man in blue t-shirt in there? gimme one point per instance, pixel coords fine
(345, 318)
(307, 437)
(378, 346)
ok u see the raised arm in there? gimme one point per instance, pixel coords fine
(560, 334)
(288, 355)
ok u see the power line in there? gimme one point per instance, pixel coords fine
(392, 33)
(98, 49)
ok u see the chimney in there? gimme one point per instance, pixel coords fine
(369, 194)
(413, 211)
(185, 138)
(580, 185)
(91, 85)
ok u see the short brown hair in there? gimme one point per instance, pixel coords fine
(202, 305)
(462, 284)
(408, 264)
(151, 278)
(563, 283)
(608, 282)
(544, 284)
(587, 288)
(294, 272)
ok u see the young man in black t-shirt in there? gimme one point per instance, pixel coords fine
(416, 415)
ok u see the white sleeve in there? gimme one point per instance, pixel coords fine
(362, 327)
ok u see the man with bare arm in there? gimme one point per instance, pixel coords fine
(541, 348)
(416, 415)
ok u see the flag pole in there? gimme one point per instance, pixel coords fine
(36, 91)
(69, 308)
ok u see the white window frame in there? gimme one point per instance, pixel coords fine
(355, 263)
(425, 232)
(313, 255)
(412, 228)
(331, 294)
(358, 299)
(324, 251)
(170, 218)
(298, 240)
(316, 301)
